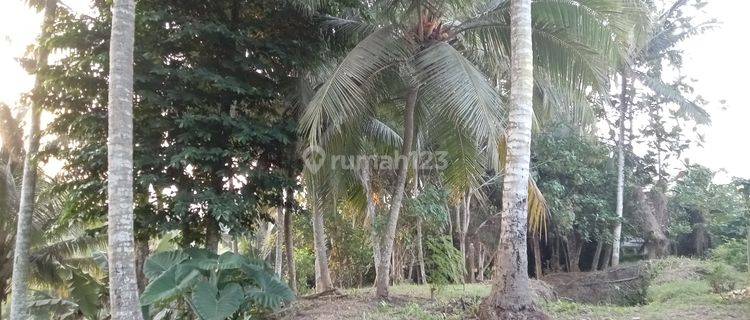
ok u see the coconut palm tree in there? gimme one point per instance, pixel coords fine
(30, 166)
(123, 287)
(510, 291)
(61, 254)
(441, 67)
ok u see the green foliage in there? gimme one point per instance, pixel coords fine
(305, 262)
(698, 199)
(577, 176)
(444, 263)
(429, 205)
(214, 137)
(733, 253)
(212, 304)
(722, 277)
(215, 287)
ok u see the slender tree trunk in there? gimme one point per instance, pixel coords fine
(597, 254)
(291, 268)
(510, 296)
(480, 263)
(420, 246)
(278, 258)
(471, 265)
(620, 169)
(370, 213)
(123, 288)
(537, 256)
(322, 273)
(420, 253)
(20, 284)
(383, 266)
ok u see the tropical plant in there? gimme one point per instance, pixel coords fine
(19, 298)
(408, 52)
(210, 286)
(445, 264)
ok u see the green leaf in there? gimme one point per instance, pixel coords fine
(169, 284)
(270, 292)
(212, 304)
(84, 291)
(161, 262)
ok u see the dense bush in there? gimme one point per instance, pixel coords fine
(733, 253)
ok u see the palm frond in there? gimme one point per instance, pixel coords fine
(345, 95)
(687, 107)
(452, 88)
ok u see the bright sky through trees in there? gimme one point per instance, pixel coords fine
(716, 59)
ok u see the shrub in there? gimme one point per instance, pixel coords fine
(722, 277)
(733, 253)
(445, 264)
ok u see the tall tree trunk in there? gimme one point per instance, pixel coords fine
(510, 296)
(322, 273)
(123, 288)
(20, 284)
(420, 253)
(420, 245)
(597, 254)
(383, 266)
(291, 267)
(278, 257)
(537, 256)
(620, 169)
(370, 213)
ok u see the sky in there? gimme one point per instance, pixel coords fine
(717, 59)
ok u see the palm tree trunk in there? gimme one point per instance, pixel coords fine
(370, 212)
(123, 289)
(322, 274)
(510, 297)
(291, 269)
(19, 286)
(620, 170)
(278, 257)
(383, 266)
(420, 253)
